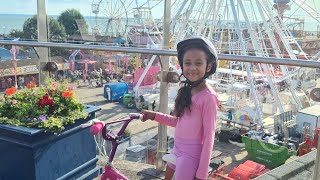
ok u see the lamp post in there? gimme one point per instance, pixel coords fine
(14, 63)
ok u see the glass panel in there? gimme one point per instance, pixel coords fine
(20, 69)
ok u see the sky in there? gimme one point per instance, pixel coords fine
(54, 7)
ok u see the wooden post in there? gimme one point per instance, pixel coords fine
(162, 129)
(316, 170)
(43, 52)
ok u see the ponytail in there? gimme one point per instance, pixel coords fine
(182, 101)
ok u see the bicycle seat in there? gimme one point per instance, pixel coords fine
(170, 158)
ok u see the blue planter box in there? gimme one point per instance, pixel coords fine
(32, 154)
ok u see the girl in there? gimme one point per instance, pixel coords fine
(195, 111)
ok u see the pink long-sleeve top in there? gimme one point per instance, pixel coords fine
(199, 124)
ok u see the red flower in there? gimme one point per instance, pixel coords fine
(31, 85)
(67, 94)
(46, 101)
(10, 91)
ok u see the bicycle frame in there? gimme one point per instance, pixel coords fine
(110, 172)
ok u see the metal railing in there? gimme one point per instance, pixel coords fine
(251, 59)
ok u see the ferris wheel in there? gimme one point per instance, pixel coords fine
(244, 27)
(111, 17)
(114, 18)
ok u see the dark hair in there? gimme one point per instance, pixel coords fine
(183, 99)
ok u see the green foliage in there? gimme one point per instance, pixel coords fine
(132, 63)
(48, 107)
(69, 18)
(30, 28)
(56, 33)
(14, 33)
(126, 133)
(56, 30)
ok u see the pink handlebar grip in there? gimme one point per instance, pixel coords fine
(95, 129)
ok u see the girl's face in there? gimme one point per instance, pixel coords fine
(194, 64)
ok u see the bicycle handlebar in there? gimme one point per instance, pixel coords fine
(97, 125)
(95, 129)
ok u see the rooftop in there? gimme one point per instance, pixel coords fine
(312, 110)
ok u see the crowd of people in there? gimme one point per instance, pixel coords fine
(94, 78)
(22, 81)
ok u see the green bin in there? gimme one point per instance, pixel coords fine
(126, 98)
(270, 155)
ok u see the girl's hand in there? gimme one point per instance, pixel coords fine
(147, 114)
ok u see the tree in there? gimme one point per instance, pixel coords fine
(71, 19)
(15, 33)
(30, 28)
(56, 33)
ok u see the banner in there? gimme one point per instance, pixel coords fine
(22, 70)
(32, 69)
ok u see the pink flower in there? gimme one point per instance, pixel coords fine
(54, 84)
(71, 87)
(14, 102)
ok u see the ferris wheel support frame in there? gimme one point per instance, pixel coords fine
(183, 27)
(205, 19)
(308, 9)
(248, 65)
(178, 14)
(259, 52)
(286, 38)
(141, 19)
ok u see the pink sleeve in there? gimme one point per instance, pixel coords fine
(166, 119)
(209, 116)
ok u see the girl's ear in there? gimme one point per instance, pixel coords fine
(209, 67)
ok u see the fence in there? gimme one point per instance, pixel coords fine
(251, 59)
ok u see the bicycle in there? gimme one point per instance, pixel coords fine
(110, 172)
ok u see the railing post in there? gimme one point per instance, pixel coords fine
(42, 37)
(316, 170)
(162, 130)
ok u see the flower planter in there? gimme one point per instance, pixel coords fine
(32, 154)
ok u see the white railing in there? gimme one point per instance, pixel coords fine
(229, 57)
